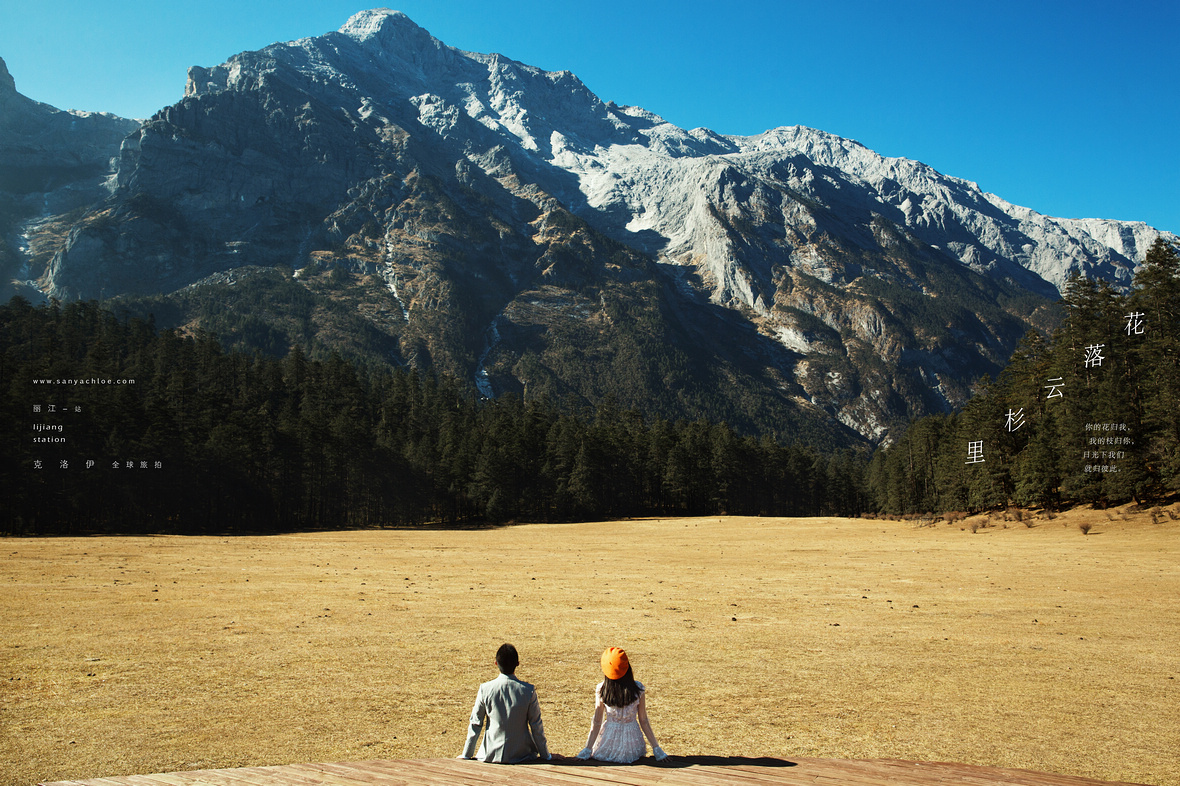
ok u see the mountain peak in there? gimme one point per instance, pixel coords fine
(7, 83)
(380, 23)
(393, 39)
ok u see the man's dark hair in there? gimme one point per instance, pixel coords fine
(507, 659)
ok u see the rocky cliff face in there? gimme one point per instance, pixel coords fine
(42, 148)
(51, 162)
(502, 223)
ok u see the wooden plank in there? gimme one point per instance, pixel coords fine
(712, 775)
(329, 774)
(690, 771)
(310, 774)
(862, 770)
(168, 779)
(316, 775)
(993, 776)
(602, 774)
(591, 773)
(950, 772)
(365, 772)
(882, 774)
(854, 777)
(211, 777)
(286, 775)
(707, 774)
(276, 776)
(292, 775)
(253, 776)
(442, 771)
(879, 772)
(583, 774)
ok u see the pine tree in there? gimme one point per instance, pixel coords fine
(1156, 301)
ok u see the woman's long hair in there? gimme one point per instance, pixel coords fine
(620, 692)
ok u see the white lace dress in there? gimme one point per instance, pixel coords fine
(617, 732)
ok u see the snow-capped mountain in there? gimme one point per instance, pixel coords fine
(502, 222)
(636, 172)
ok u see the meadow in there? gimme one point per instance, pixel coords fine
(985, 640)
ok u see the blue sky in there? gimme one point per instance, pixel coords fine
(1070, 108)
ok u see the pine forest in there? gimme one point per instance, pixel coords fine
(139, 430)
(116, 426)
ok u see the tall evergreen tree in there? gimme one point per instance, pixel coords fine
(1156, 303)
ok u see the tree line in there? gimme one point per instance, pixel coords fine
(1090, 414)
(115, 426)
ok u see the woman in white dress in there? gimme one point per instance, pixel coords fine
(620, 715)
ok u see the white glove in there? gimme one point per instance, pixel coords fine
(584, 753)
(658, 752)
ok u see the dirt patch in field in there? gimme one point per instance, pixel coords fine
(1011, 645)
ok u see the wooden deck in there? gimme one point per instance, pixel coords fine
(676, 771)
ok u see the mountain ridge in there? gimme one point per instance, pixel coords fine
(502, 223)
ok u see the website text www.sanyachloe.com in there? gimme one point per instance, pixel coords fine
(88, 381)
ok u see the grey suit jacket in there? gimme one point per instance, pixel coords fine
(513, 715)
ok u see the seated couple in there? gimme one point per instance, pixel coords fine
(514, 730)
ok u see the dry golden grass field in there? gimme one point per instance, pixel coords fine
(1033, 647)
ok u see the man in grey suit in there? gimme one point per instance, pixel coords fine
(515, 732)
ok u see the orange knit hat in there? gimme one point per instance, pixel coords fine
(614, 663)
